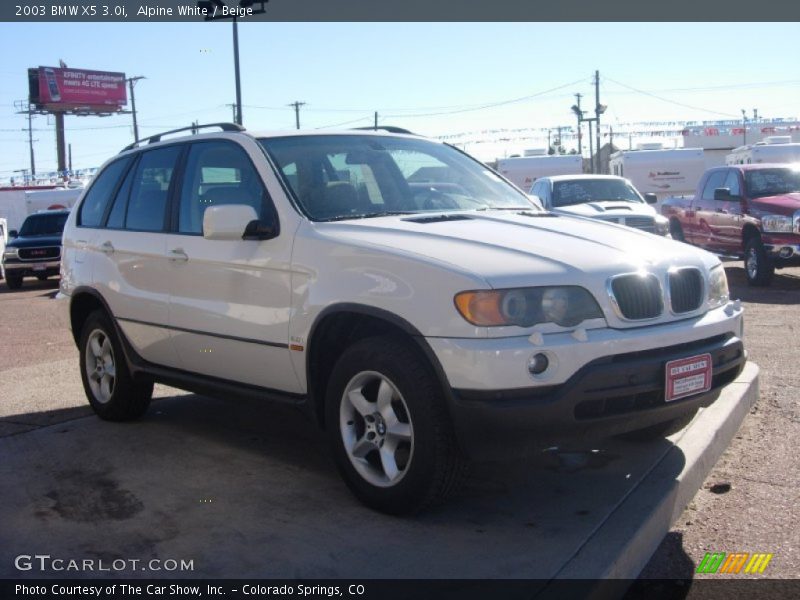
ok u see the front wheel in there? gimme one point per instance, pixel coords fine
(758, 267)
(111, 390)
(389, 429)
(14, 282)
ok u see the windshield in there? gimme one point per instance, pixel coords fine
(580, 191)
(771, 182)
(43, 225)
(337, 177)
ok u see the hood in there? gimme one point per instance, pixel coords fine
(511, 248)
(785, 204)
(35, 241)
(608, 208)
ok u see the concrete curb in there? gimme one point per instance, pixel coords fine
(621, 547)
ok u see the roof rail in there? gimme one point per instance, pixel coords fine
(193, 128)
(389, 128)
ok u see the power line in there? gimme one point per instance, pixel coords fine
(708, 110)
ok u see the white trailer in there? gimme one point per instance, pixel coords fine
(773, 149)
(16, 203)
(523, 171)
(663, 172)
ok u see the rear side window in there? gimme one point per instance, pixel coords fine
(150, 189)
(99, 195)
(219, 173)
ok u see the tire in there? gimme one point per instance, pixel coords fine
(382, 395)
(14, 282)
(659, 430)
(111, 390)
(758, 267)
(676, 231)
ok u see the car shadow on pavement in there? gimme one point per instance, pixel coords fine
(30, 284)
(669, 576)
(784, 289)
(220, 477)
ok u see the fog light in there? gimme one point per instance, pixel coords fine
(537, 364)
(786, 252)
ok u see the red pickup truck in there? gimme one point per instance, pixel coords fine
(748, 211)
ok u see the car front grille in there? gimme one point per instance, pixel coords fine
(685, 290)
(637, 296)
(645, 223)
(33, 254)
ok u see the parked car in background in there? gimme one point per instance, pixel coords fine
(604, 197)
(34, 251)
(3, 240)
(745, 211)
(422, 323)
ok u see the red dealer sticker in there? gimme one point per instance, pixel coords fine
(688, 376)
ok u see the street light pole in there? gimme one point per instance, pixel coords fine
(744, 128)
(579, 114)
(236, 70)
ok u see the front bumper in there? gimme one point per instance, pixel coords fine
(609, 382)
(607, 397)
(784, 250)
(29, 268)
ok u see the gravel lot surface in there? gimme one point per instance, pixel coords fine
(750, 502)
(760, 510)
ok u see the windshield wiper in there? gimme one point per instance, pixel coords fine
(387, 213)
(505, 208)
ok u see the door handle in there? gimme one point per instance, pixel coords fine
(107, 248)
(178, 254)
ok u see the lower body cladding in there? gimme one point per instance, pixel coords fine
(623, 390)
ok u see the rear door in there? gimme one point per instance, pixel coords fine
(705, 208)
(230, 300)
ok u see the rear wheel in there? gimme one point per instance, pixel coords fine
(659, 430)
(14, 282)
(758, 267)
(389, 428)
(111, 390)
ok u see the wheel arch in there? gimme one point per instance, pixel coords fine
(340, 325)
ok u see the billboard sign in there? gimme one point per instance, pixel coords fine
(66, 89)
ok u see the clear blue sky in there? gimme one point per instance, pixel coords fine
(345, 71)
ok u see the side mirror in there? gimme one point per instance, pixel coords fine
(650, 198)
(228, 221)
(13, 233)
(723, 194)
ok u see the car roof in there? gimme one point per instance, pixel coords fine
(757, 166)
(577, 176)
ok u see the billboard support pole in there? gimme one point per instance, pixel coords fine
(60, 144)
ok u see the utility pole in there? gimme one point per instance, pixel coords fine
(236, 70)
(597, 113)
(580, 119)
(376, 121)
(558, 142)
(233, 111)
(744, 128)
(131, 82)
(297, 106)
(30, 140)
(69, 153)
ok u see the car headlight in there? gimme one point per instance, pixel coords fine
(566, 306)
(718, 293)
(776, 223)
(662, 225)
(10, 253)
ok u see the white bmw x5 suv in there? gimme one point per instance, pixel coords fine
(417, 304)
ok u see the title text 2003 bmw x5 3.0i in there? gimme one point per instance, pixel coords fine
(415, 302)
